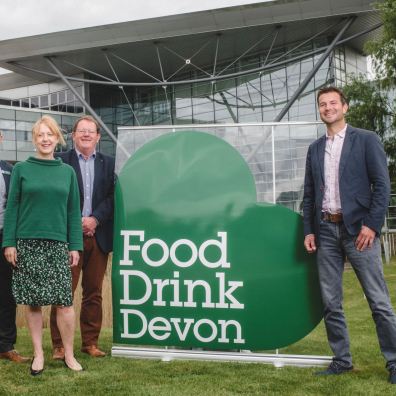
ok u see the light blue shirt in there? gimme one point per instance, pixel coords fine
(88, 173)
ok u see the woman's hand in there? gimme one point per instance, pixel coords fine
(74, 256)
(10, 253)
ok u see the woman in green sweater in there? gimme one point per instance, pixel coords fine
(42, 236)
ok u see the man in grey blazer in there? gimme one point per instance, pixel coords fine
(346, 195)
(8, 331)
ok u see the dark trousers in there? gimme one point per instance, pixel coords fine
(8, 331)
(92, 264)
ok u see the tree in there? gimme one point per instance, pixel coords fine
(369, 106)
(372, 103)
(372, 108)
(383, 50)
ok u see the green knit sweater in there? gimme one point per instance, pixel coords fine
(43, 203)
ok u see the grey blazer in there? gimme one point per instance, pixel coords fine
(363, 180)
(6, 170)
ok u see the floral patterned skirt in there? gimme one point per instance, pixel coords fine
(43, 275)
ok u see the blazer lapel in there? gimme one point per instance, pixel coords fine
(321, 153)
(98, 170)
(346, 149)
(76, 166)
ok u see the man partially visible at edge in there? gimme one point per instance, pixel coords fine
(8, 330)
(346, 195)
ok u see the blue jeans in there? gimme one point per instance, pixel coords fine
(335, 244)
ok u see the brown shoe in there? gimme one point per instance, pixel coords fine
(13, 356)
(58, 353)
(93, 350)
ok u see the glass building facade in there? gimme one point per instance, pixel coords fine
(61, 100)
(16, 127)
(256, 97)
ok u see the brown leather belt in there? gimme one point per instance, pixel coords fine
(332, 217)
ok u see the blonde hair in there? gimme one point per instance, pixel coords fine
(52, 125)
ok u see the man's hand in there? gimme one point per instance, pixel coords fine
(365, 239)
(89, 225)
(74, 256)
(309, 243)
(10, 253)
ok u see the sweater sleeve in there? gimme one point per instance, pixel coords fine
(74, 227)
(12, 209)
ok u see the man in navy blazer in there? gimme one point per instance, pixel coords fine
(95, 176)
(346, 195)
(8, 330)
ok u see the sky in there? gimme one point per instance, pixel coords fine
(19, 18)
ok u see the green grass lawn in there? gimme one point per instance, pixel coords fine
(121, 376)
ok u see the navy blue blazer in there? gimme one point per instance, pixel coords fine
(363, 181)
(102, 194)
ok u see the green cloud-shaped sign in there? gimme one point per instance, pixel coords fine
(197, 261)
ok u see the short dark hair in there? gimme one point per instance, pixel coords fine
(87, 118)
(326, 90)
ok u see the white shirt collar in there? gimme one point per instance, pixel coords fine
(340, 134)
(80, 155)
